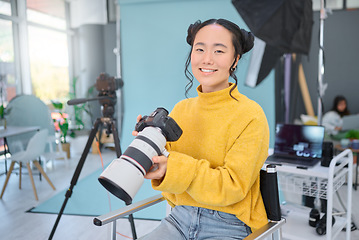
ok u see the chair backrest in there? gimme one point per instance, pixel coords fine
(269, 191)
(27, 110)
(36, 145)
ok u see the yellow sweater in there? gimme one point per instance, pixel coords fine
(216, 162)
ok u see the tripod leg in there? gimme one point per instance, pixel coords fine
(77, 172)
(100, 144)
(132, 223)
(119, 153)
(116, 138)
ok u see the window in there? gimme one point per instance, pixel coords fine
(48, 63)
(5, 8)
(48, 49)
(45, 19)
(352, 4)
(7, 65)
(38, 54)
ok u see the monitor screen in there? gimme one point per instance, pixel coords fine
(299, 140)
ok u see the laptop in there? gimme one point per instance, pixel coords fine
(350, 122)
(298, 145)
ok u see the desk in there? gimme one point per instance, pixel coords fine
(13, 131)
(338, 147)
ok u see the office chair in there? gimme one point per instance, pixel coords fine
(269, 191)
(34, 149)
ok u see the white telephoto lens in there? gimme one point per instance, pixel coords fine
(122, 179)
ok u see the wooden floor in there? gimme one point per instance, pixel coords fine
(16, 223)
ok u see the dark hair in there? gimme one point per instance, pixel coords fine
(242, 40)
(336, 101)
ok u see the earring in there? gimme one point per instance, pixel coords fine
(233, 68)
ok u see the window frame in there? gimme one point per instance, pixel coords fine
(20, 25)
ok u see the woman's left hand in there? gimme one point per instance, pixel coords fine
(338, 128)
(160, 162)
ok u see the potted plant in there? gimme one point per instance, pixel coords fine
(61, 125)
(77, 121)
(353, 136)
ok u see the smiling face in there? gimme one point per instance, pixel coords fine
(212, 57)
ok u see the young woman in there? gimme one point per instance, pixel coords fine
(211, 176)
(332, 120)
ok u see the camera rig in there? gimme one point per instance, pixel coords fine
(106, 86)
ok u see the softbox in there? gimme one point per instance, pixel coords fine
(284, 25)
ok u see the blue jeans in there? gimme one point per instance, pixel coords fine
(193, 223)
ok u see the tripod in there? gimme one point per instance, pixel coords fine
(110, 124)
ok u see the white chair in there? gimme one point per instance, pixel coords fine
(55, 152)
(36, 113)
(34, 149)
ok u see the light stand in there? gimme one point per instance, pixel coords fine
(321, 86)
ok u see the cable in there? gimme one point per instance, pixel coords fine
(124, 235)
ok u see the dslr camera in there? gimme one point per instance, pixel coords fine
(125, 175)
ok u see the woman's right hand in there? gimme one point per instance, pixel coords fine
(134, 132)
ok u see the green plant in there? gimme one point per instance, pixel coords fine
(80, 108)
(352, 134)
(2, 107)
(2, 111)
(60, 120)
(2, 116)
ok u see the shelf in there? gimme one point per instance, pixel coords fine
(316, 181)
(308, 185)
(315, 171)
(297, 224)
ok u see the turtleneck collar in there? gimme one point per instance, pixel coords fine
(218, 97)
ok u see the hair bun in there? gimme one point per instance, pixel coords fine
(191, 32)
(248, 41)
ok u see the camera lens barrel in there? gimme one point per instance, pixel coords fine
(321, 228)
(122, 179)
(149, 143)
(124, 176)
(314, 217)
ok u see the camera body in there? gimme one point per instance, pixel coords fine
(319, 223)
(159, 118)
(107, 84)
